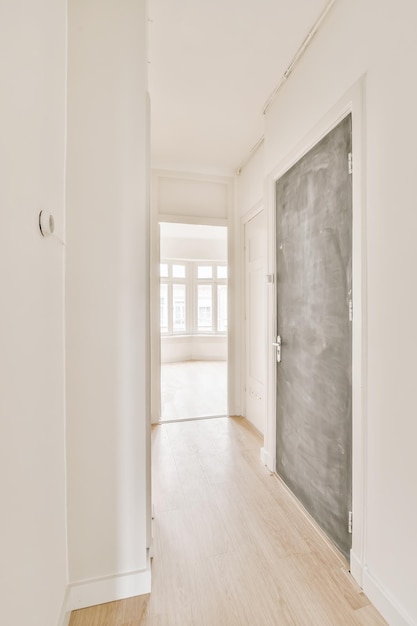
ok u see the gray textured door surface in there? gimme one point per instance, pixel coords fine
(314, 286)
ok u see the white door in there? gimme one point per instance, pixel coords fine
(255, 329)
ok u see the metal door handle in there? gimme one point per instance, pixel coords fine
(277, 344)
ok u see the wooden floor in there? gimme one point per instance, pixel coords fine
(193, 389)
(231, 547)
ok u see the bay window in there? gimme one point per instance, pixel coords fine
(193, 297)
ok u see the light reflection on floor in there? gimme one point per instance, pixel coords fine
(193, 389)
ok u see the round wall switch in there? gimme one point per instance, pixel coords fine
(46, 224)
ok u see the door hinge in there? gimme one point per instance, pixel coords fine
(350, 163)
(350, 310)
(350, 523)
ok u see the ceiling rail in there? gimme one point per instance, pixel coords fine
(250, 155)
(287, 74)
(299, 53)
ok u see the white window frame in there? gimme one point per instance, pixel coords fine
(191, 282)
(214, 282)
(170, 280)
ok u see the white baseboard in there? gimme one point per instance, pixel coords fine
(267, 460)
(65, 615)
(356, 569)
(383, 601)
(99, 591)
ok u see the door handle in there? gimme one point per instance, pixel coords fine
(278, 345)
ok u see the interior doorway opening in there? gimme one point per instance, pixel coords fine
(193, 321)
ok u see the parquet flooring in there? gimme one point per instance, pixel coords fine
(231, 546)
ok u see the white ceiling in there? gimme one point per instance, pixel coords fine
(212, 66)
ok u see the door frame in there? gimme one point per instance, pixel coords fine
(257, 208)
(352, 102)
(155, 400)
(187, 216)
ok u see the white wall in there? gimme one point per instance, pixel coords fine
(107, 300)
(181, 194)
(194, 249)
(377, 39)
(250, 184)
(33, 574)
(193, 348)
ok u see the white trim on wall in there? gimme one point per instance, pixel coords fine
(234, 374)
(384, 602)
(189, 219)
(87, 593)
(351, 102)
(65, 615)
(155, 335)
(83, 594)
(246, 217)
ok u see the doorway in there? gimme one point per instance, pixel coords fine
(193, 321)
(314, 322)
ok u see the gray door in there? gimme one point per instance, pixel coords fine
(314, 286)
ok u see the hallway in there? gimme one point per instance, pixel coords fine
(231, 547)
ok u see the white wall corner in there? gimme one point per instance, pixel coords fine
(64, 619)
(380, 597)
(356, 569)
(65, 615)
(266, 459)
(109, 589)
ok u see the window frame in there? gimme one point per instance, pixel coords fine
(191, 282)
(170, 281)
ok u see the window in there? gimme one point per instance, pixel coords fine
(178, 303)
(204, 271)
(222, 308)
(178, 271)
(193, 297)
(164, 308)
(173, 296)
(204, 308)
(222, 271)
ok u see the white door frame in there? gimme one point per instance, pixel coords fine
(155, 307)
(352, 102)
(244, 220)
